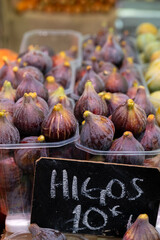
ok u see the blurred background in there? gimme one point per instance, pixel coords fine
(86, 16)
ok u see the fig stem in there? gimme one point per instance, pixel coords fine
(86, 114)
(67, 64)
(41, 138)
(130, 104)
(50, 79)
(15, 69)
(58, 107)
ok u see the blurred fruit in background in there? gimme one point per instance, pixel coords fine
(9, 54)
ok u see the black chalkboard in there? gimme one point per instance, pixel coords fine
(94, 198)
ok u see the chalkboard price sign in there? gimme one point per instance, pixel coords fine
(93, 198)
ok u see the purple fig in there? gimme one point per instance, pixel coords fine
(7, 106)
(143, 101)
(54, 96)
(60, 124)
(7, 91)
(37, 59)
(62, 74)
(151, 138)
(129, 117)
(131, 93)
(91, 101)
(106, 66)
(126, 143)
(97, 131)
(94, 78)
(87, 49)
(50, 84)
(27, 116)
(30, 84)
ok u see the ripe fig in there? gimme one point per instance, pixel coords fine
(9, 133)
(104, 76)
(126, 142)
(7, 73)
(94, 78)
(106, 66)
(128, 50)
(50, 84)
(72, 52)
(97, 131)
(116, 83)
(7, 106)
(112, 52)
(129, 117)
(96, 54)
(130, 76)
(101, 35)
(143, 101)
(37, 59)
(151, 138)
(45, 233)
(40, 102)
(35, 72)
(7, 91)
(152, 162)
(114, 100)
(62, 74)
(54, 97)
(25, 157)
(141, 229)
(131, 93)
(30, 84)
(27, 116)
(87, 49)
(60, 124)
(91, 101)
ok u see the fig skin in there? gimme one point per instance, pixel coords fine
(116, 83)
(28, 117)
(114, 100)
(130, 77)
(87, 49)
(7, 73)
(131, 93)
(30, 84)
(37, 59)
(62, 74)
(50, 84)
(9, 133)
(7, 106)
(104, 76)
(112, 52)
(129, 117)
(45, 233)
(106, 66)
(126, 142)
(54, 97)
(91, 101)
(25, 158)
(143, 101)
(60, 124)
(152, 162)
(35, 72)
(7, 91)
(94, 78)
(97, 131)
(141, 229)
(40, 102)
(151, 138)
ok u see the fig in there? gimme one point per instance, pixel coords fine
(131, 76)
(7, 91)
(141, 229)
(151, 138)
(96, 54)
(45, 233)
(25, 158)
(101, 35)
(104, 75)
(128, 50)
(95, 64)
(7, 73)
(97, 131)
(143, 101)
(50, 84)
(116, 83)
(10, 174)
(94, 78)
(114, 100)
(125, 143)
(65, 101)
(131, 93)
(37, 59)
(47, 49)
(129, 117)
(54, 97)
(80, 72)
(106, 66)
(72, 52)
(60, 124)
(152, 162)
(112, 52)
(60, 58)
(87, 49)
(40, 102)
(7, 106)
(62, 74)
(9, 133)
(152, 76)
(30, 84)
(127, 64)
(27, 116)
(146, 27)
(150, 48)
(35, 72)
(91, 101)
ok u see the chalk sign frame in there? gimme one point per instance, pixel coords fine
(98, 198)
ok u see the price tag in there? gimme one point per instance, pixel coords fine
(93, 198)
